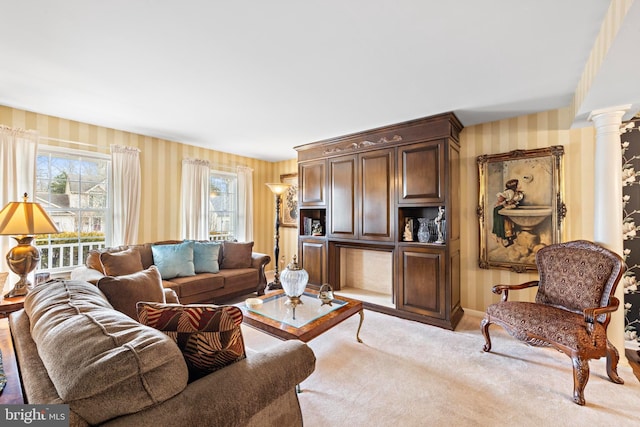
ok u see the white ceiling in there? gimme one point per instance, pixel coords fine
(257, 78)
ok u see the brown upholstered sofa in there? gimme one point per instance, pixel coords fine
(74, 348)
(239, 270)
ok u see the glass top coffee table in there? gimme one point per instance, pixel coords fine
(275, 317)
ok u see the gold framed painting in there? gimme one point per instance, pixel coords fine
(520, 206)
(289, 208)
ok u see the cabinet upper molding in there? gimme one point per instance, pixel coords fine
(419, 130)
(361, 144)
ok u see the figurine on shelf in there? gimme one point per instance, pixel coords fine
(317, 229)
(439, 220)
(408, 231)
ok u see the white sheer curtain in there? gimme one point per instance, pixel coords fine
(18, 150)
(245, 204)
(125, 164)
(195, 199)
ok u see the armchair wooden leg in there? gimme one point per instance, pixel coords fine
(484, 327)
(612, 363)
(580, 378)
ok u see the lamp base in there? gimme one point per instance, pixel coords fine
(19, 289)
(22, 260)
(274, 285)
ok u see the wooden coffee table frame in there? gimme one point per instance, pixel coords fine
(312, 329)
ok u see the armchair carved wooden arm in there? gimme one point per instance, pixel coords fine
(572, 308)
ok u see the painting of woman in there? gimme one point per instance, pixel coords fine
(509, 198)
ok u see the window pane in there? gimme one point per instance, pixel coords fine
(223, 206)
(73, 189)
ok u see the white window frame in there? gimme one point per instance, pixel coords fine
(224, 234)
(68, 251)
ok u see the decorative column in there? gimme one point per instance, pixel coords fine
(608, 202)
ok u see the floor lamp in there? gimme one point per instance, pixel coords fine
(24, 220)
(278, 189)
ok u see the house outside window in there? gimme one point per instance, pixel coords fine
(73, 187)
(223, 205)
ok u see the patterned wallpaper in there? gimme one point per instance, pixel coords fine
(608, 31)
(524, 132)
(631, 225)
(161, 163)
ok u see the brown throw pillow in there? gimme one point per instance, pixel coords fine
(121, 263)
(93, 260)
(124, 292)
(208, 335)
(236, 255)
(93, 257)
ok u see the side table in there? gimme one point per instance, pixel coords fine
(9, 305)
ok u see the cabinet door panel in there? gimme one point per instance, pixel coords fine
(343, 208)
(422, 282)
(314, 260)
(421, 173)
(376, 171)
(312, 183)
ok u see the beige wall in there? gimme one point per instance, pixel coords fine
(161, 163)
(524, 132)
(161, 168)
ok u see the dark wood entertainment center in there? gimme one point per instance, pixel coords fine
(363, 187)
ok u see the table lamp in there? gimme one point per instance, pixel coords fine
(278, 189)
(24, 220)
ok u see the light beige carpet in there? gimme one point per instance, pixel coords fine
(410, 374)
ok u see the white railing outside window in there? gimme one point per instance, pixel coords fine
(221, 237)
(64, 257)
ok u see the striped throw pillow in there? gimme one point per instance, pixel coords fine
(209, 336)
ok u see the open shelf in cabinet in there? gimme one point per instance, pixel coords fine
(309, 217)
(410, 216)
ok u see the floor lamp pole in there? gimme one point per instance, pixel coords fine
(278, 189)
(276, 249)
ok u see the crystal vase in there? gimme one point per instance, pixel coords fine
(423, 230)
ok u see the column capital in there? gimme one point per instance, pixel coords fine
(604, 115)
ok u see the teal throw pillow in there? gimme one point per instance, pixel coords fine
(174, 260)
(205, 257)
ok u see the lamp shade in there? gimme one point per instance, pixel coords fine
(278, 188)
(25, 218)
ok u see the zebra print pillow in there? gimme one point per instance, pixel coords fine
(209, 336)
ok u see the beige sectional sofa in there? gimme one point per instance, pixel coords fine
(240, 270)
(74, 348)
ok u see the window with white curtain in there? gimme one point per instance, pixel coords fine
(73, 187)
(223, 205)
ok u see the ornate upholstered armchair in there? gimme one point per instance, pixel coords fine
(572, 308)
